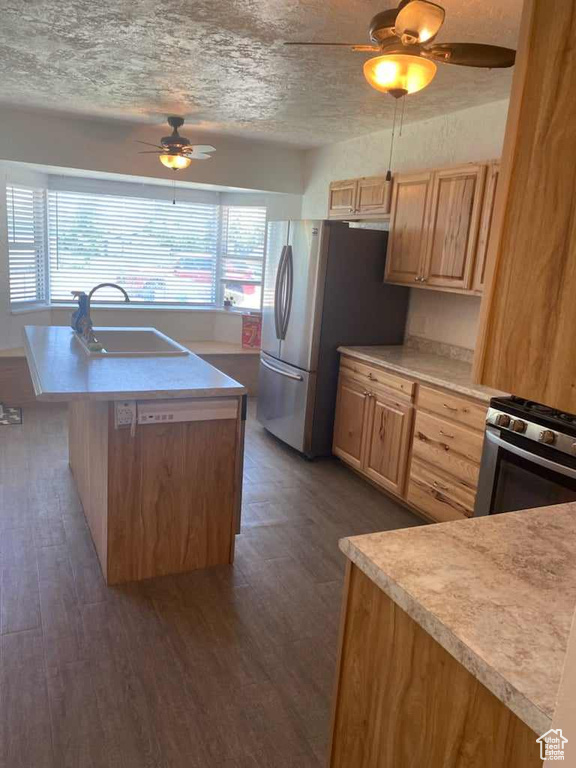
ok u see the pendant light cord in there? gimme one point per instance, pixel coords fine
(389, 172)
(402, 115)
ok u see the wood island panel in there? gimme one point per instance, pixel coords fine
(402, 700)
(164, 501)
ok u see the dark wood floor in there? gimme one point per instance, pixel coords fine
(226, 668)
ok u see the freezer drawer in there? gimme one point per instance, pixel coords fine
(285, 399)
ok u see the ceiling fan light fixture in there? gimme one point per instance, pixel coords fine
(419, 21)
(399, 73)
(175, 162)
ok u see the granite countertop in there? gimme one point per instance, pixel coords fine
(424, 366)
(61, 371)
(498, 593)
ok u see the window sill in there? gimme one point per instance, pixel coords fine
(32, 308)
(133, 307)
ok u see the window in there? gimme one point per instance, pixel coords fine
(26, 245)
(243, 243)
(189, 254)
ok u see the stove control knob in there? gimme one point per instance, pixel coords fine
(518, 425)
(502, 420)
(547, 436)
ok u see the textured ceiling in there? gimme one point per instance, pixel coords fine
(222, 64)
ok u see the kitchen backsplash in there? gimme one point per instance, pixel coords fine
(440, 348)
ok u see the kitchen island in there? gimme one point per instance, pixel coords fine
(161, 496)
(453, 641)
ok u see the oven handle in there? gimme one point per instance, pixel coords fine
(535, 459)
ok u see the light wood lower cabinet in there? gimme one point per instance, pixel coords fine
(372, 432)
(426, 451)
(388, 432)
(403, 701)
(349, 429)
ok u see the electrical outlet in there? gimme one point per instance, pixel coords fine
(125, 413)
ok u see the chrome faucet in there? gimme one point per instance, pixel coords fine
(81, 320)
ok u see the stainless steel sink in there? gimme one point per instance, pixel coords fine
(127, 342)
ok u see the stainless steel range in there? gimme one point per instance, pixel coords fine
(529, 457)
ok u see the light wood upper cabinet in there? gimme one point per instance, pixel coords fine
(453, 222)
(407, 240)
(367, 197)
(349, 427)
(439, 226)
(373, 196)
(342, 198)
(492, 176)
(526, 339)
(388, 432)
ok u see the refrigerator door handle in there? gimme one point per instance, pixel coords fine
(289, 278)
(294, 376)
(277, 293)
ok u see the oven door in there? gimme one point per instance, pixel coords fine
(518, 474)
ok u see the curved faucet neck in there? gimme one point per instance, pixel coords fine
(108, 285)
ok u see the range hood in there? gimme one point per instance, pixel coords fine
(380, 225)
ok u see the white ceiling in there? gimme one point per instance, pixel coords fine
(222, 64)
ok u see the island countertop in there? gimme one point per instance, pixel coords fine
(498, 593)
(424, 366)
(62, 371)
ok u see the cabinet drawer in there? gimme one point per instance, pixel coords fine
(454, 449)
(368, 374)
(452, 407)
(439, 496)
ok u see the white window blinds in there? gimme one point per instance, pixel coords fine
(188, 254)
(158, 252)
(26, 245)
(243, 245)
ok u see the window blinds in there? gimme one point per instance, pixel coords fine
(26, 244)
(158, 252)
(189, 254)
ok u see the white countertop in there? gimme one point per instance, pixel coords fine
(61, 371)
(424, 366)
(498, 593)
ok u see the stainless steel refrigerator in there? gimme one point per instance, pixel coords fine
(323, 287)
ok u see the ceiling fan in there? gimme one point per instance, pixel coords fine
(403, 37)
(175, 151)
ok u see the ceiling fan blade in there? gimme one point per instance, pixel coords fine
(342, 45)
(148, 152)
(201, 148)
(419, 22)
(198, 156)
(147, 143)
(471, 55)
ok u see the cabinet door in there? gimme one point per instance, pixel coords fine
(374, 196)
(388, 431)
(406, 244)
(492, 176)
(349, 424)
(454, 220)
(342, 198)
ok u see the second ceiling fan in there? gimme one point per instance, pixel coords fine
(404, 38)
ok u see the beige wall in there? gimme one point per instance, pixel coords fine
(111, 146)
(472, 134)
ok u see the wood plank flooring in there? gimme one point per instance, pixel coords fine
(230, 667)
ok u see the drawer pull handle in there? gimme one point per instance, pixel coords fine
(449, 407)
(372, 377)
(446, 434)
(436, 484)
